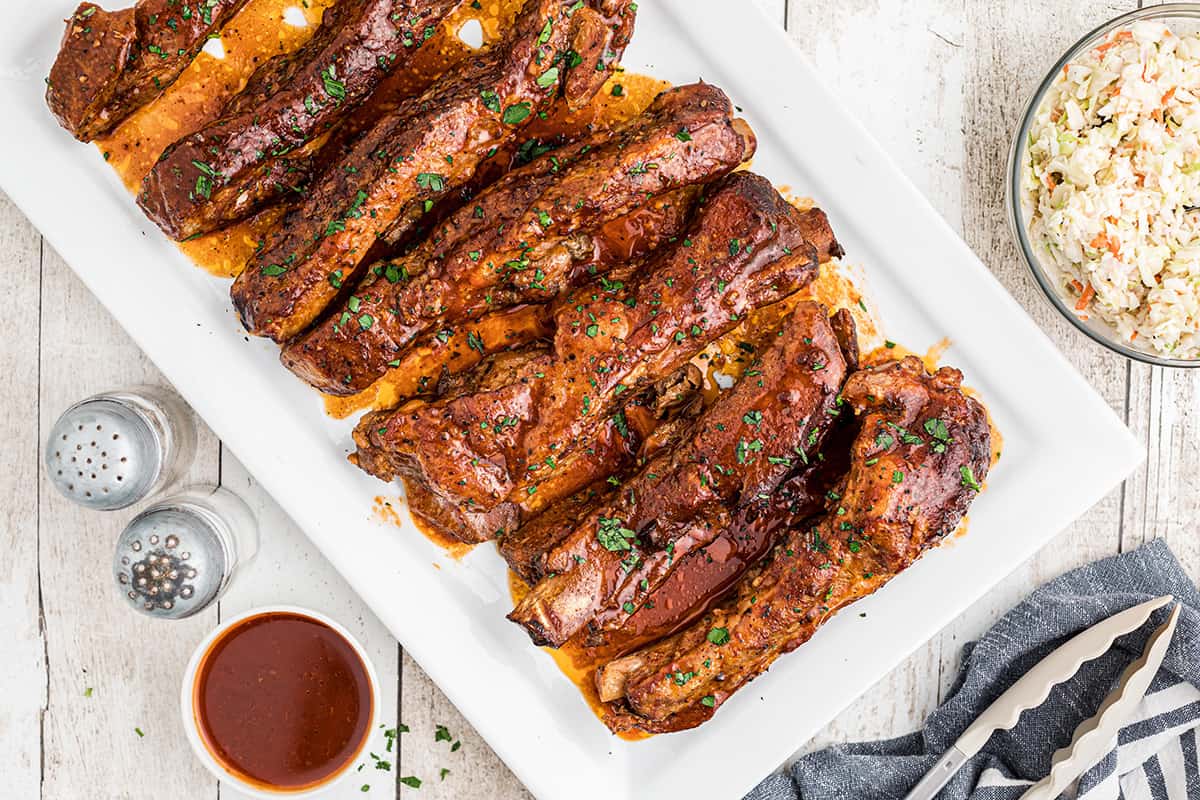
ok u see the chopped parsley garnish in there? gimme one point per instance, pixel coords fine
(613, 535)
(431, 181)
(968, 478)
(333, 87)
(491, 100)
(516, 114)
(718, 636)
(941, 436)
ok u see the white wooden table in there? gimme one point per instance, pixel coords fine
(939, 82)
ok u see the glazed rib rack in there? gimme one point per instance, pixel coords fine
(617, 363)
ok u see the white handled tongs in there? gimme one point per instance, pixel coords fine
(1092, 736)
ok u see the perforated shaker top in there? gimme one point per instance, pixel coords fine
(172, 561)
(103, 455)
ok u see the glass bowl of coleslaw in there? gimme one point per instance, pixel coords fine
(1103, 189)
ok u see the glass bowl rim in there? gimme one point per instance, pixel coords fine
(1013, 183)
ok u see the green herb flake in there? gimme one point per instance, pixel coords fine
(968, 478)
(516, 114)
(718, 636)
(333, 87)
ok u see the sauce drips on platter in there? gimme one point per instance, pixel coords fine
(394, 513)
(577, 663)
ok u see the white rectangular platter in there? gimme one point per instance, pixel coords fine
(926, 282)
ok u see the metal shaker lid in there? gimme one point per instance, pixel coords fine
(173, 560)
(103, 454)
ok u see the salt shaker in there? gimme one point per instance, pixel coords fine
(114, 449)
(179, 556)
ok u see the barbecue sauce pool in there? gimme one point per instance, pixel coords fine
(283, 701)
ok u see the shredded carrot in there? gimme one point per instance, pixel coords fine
(1078, 286)
(1167, 97)
(1105, 242)
(1085, 299)
(1119, 37)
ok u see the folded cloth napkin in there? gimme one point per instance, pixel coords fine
(1155, 756)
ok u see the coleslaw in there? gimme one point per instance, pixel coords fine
(1111, 185)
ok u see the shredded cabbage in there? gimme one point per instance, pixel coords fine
(1111, 185)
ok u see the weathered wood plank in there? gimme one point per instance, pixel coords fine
(132, 664)
(474, 770)
(289, 570)
(1002, 72)
(23, 667)
(1161, 499)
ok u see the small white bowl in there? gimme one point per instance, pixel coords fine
(192, 728)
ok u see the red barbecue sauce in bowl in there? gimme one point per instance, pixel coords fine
(283, 701)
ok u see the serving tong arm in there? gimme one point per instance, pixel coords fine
(1034, 687)
(1094, 735)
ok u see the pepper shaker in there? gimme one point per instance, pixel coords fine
(179, 556)
(113, 449)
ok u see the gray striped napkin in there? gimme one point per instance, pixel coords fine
(1153, 758)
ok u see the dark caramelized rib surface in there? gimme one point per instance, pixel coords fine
(481, 450)
(703, 576)
(737, 452)
(916, 466)
(525, 239)
(255, 153)
(111, 63)
(427, 147)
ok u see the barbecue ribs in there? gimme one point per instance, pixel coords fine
(255, 152)
(427, 147)
(738, 452)
(111, 63)
(508, 447)
(524, 239)
(916, 466)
